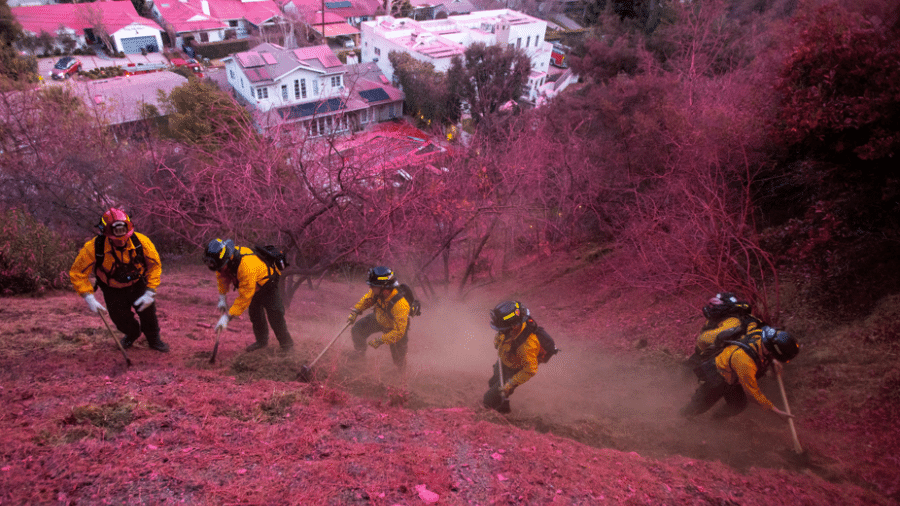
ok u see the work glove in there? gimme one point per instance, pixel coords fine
(352, 318)
(223, 322)
(92, 303)
(223, 304)
(145, 301)
(375, 343)
(507, 389)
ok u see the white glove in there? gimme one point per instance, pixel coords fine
(92, 303)
(145, 301)
(223, 322)
(223, 304)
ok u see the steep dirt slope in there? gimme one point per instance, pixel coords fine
(595, 426)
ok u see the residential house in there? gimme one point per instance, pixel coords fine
(188, 21)
(348, 12)
(438, 41)
(309, 86)
(215, 20)
(128, 32)
(433, 9)
(121, 103)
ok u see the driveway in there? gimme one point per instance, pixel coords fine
(45, 65)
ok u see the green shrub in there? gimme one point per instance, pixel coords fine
(33, 258)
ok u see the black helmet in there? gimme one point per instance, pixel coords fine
(218, 253)
(780, 344)
(725, 304)
(381, 276)
(507, 315)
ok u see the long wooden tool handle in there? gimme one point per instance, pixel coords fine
(212, 358)
(329, 345)
(113, 336)
(787, 409)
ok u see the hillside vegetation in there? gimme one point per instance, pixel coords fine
(747, 146)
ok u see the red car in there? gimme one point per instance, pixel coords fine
(66, 67)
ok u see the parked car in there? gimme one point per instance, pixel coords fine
(66, 67)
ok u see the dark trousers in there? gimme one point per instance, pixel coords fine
(368, 325)
(267, 302)
(712, 388)
(120, 304)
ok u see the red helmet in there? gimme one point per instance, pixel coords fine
(116, 224)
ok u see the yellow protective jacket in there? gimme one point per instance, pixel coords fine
(83, 267)
(252, 273)
(524, 358)
(736, 366)
(393, 320)
(731, 324)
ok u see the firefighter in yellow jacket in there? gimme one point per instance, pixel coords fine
(734, 372)
(257, 287)
(727, 319)
(519, 352)
(390, 316)
(127, 269)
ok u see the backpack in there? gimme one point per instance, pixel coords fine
(732, 336)
(100, 253)
(405, 292)
(708, 363)
(548, 346)
(272, 256)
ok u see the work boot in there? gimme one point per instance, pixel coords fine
(128, 341)
(286, 349)
(256, 346)
(357, 355)
(160, 346)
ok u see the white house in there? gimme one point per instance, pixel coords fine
(129, 32)
(312, 87)
(215, 20)
(438, 41)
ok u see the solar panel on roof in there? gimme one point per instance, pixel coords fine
(250, 59)
(374, 95)
(311, 108)
(269, 58)
(257, 74)
(338, 5)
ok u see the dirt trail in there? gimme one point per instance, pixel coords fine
(597, 391)
(588, 393)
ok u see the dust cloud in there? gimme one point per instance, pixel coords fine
(627, 401)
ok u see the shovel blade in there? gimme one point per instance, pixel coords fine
(305, 375)
(493, 399)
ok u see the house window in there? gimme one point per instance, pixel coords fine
(296, 88)
(204, 37)
(378, 51)
(231, 73)
(315, 86)
(303, 87)
(537, 40)
(233, 23)
(527, 40)
(335, 81)
(519, 42)
(262, 93)
(284, 92)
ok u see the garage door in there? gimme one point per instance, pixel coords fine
(135, 44)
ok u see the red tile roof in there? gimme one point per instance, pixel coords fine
(48, 18)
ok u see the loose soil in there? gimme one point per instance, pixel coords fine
(596, 425)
